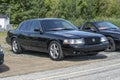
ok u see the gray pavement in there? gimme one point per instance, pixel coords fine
(109, 69)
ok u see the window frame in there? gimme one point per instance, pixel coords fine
(90, 24)
(40, 27)
(24, 24)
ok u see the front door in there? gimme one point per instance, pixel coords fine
(37, 40)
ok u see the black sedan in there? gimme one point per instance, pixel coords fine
(55, 36)
(111, 31)
(1, 55)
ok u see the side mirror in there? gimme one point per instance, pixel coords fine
(38, 30)
(87, 28)
(90, 29)
(79, 27)
(93, 30)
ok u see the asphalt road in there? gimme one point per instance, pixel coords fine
(107, 69)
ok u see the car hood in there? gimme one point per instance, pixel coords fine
(75, 34)
(112, 31)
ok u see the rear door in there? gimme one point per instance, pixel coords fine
(24, 32)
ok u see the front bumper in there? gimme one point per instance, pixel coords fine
(72, 50)
(1, 58)
(8, 40)
(117, 43)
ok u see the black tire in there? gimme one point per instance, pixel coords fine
(111, 47)
(55, 51)
(16, 48)
(92, 53)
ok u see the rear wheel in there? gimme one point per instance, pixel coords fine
(111, 47)
(16, 48)
(55, 51)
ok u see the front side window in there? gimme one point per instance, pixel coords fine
(50, 25)
(89, 26)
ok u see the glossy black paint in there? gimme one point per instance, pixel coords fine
(39, 40)
(113, 32)
(1, 58)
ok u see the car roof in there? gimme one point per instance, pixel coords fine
(42, 19)
(96, 21)
(45, 19)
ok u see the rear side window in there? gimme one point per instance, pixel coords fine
(35, 25)
(25, 26)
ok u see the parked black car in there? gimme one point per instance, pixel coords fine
(111, 31)
(1, 55)
(55, 36)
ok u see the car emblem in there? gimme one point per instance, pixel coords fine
(93, 40)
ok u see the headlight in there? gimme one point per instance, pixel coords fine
(74, 41)
(1, 50)
(103, 39)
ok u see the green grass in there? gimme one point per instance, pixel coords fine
(3, 34)
(3, 37)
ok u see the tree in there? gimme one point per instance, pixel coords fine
(69, 9)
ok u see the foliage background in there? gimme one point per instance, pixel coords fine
(77, 11)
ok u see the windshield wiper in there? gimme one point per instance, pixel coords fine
(108, 28)
(67, 29)
(113, 28)
(57, 29)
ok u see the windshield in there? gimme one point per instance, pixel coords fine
(54, 25)
(106, 25)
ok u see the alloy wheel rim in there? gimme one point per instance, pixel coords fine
(15, 46)
(54, 51)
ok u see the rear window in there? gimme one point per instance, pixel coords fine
(25, 26)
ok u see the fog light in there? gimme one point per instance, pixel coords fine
(74, 52)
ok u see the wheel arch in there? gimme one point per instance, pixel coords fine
(14, 37)
(48, 44)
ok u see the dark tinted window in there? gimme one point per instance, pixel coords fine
(35, 25)
(57, 25)
(89, 26)
(25, 26)
(105, 25)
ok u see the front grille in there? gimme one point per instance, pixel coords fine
(92, 40)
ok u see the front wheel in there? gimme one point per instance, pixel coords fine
(111, 47)
(55, 51)
(16, 48)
